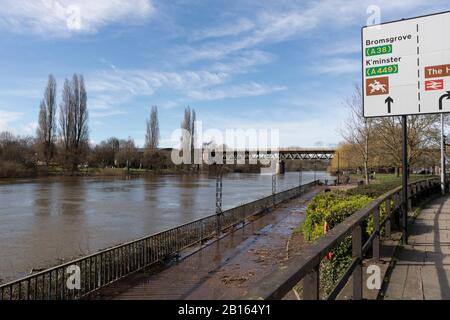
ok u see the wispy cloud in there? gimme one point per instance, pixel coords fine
(10, 121)
(274, 24)
(8, 117)
(243, 90)
(106, 113)
(240, 26)
(338, 66)
(114, 86)
(62, 18)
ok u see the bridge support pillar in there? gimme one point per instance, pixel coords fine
(281, 167)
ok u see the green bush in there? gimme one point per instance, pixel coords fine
(332, 208)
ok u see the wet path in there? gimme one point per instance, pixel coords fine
(226, 268)
(422, 269)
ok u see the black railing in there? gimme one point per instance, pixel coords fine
(306, 266)
(104, 267)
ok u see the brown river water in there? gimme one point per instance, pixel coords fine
(44, 220)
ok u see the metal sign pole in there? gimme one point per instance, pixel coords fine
(442, 155)
(405, 179)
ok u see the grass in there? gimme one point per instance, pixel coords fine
(383, 183)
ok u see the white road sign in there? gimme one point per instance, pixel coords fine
(406, 66)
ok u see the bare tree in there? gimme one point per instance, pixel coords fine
(152, 135)
(127, 155)
(188, 125)
(358, 130)
(46, 131)
(423, 138)
(74, 120)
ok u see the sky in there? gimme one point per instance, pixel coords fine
(248, 64)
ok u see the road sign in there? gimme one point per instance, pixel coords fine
(406, 66)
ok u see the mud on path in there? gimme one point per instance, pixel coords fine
(226, 268)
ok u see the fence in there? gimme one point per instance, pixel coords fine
(306, 266)
(106, 266)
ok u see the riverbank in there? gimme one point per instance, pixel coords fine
(14, 172)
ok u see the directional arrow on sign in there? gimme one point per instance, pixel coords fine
(441, 99)
(389, 101)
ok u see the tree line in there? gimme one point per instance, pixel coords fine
(375, 144)
(62, 138)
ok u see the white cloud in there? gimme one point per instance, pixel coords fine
(106, 113)
(291, 128)
(242, 90)
(277, 22)
(65, 17)
(270, 28)
(339, 66)
(29, 129)
(7, 117)
(241, 63)
(240, 26)
(109, 88)
(9, 120)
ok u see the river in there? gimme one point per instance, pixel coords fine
(47, 219)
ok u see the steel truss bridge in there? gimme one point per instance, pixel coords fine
(280, 154)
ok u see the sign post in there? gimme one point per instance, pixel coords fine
(406, 71)
(442, 155)
(405, 179)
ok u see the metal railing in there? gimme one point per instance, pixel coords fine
(306, 266)
(104, 267)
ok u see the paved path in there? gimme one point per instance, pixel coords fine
(224, 269)
(422, 269)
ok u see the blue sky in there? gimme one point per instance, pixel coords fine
(284, 65)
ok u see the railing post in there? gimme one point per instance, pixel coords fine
(387, 226)
(357, 254)
(219, 201)
(311, 285)
(409, 201)
(274, 188)
(376, 230)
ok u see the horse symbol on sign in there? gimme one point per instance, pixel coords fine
(377, 86)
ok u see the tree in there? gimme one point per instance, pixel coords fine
(152, 135)
(47, 124)
(17, 156)
(423, 137)
(104, 154)
(188, 126)
(74, 120)
(127, 155)
(358, 130)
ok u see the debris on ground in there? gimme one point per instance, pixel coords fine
(238, 279)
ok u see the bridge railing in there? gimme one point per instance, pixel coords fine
(104, 267)
(307, 265)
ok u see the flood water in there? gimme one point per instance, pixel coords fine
(43, 220)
